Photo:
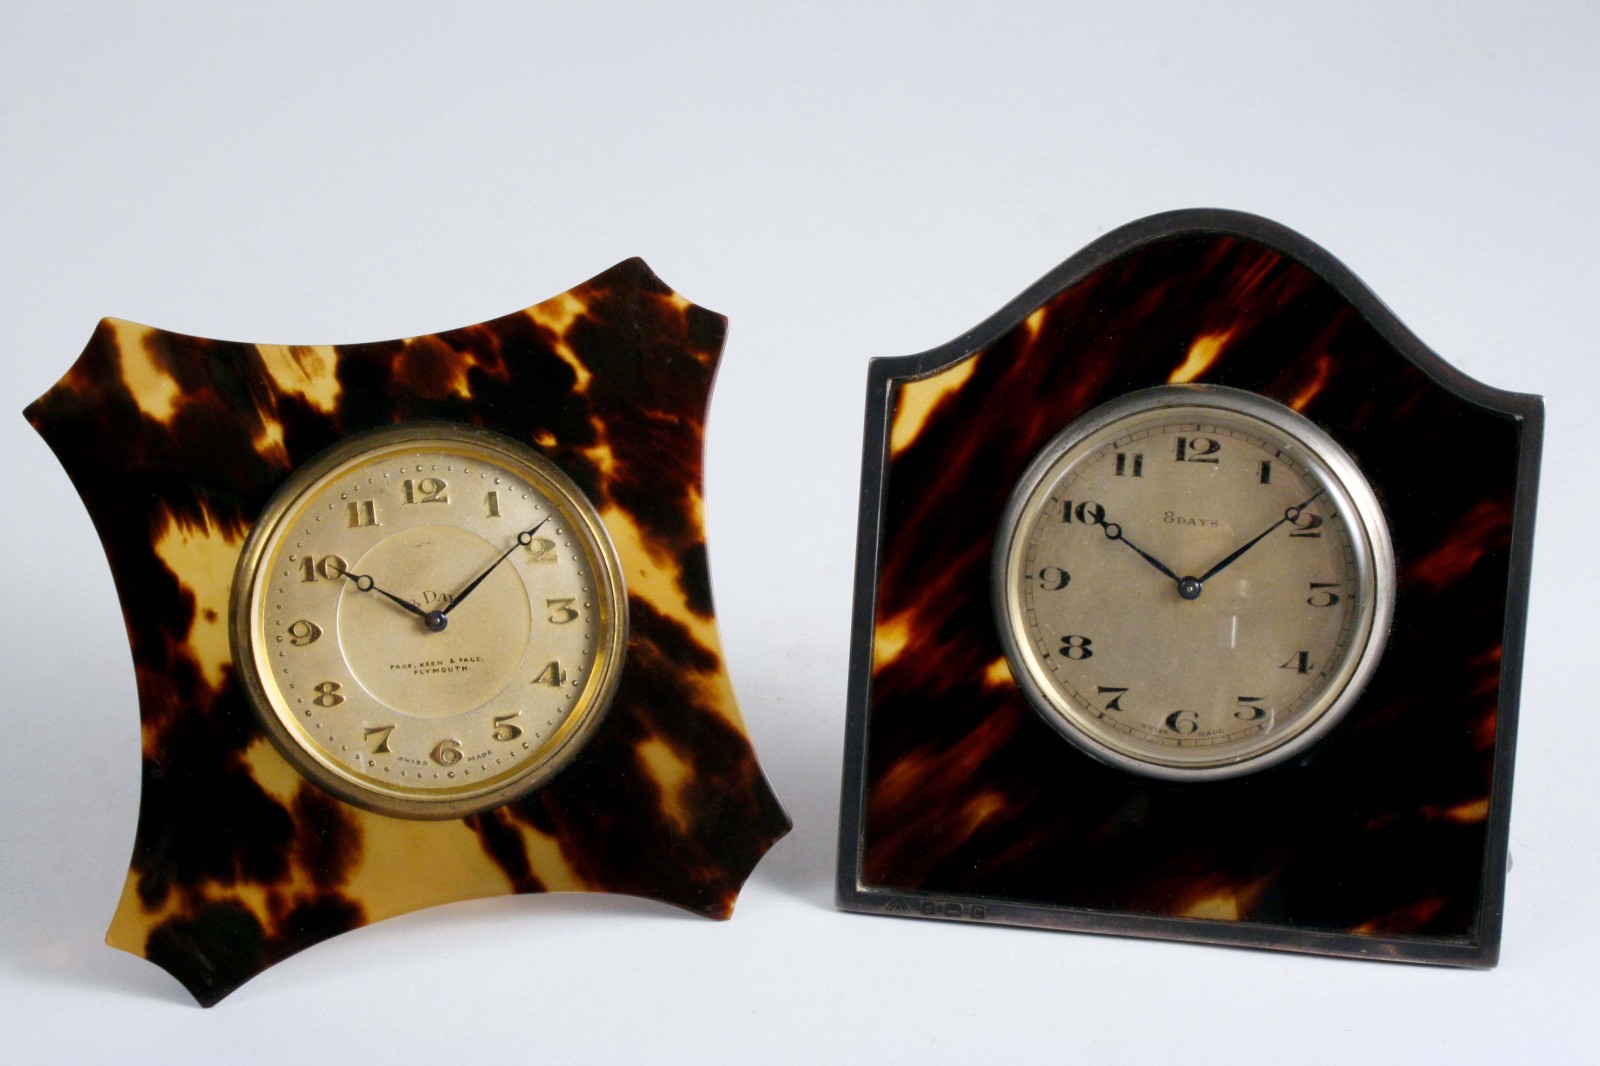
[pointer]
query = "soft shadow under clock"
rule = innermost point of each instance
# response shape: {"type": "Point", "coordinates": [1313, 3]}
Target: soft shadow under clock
{"type": "Point", "coordinates": [800, 741]}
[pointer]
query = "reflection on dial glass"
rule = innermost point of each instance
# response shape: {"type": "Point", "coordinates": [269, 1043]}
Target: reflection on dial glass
{"type": "Point", "coordinates": [433, 620]}
{"type": "Point", "coordinates": [1193, 583]}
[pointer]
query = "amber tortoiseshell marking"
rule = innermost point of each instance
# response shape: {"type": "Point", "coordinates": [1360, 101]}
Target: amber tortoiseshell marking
{"type": "Point", "coordinates": [1382, 829]}
{"type": "Point", "coordinates": [175, 443]}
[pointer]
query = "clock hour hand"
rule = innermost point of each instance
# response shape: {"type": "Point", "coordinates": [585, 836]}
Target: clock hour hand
{"type": "Point", "coordinates": [1290, 514]}
{"type": "Point", "coordinates": [1113, 531]}
{"type": "Point", "coordinates": [366, 584]}
{"type": "Point", "coordinates": [524, 539]}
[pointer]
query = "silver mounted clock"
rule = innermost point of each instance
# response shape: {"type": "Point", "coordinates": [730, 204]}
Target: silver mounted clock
{"type": "Point", "coordinates": [1168, 621]}
{"type": "Point", "coordinates": [1193, 582]}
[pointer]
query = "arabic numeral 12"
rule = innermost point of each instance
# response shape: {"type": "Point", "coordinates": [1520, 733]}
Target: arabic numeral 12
{"type": "Point", "coordinates": [427, 490]}
{"type": "Point", "coordinates": [1198, 449]}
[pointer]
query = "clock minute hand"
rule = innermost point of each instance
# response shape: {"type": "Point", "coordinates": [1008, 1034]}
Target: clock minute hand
{"type": "Point", "coordinates": [366, 584]}
{"type": "Point", "coordinates": [524, 539]}
{"type": "Point", "coordinates": [1289, 515]}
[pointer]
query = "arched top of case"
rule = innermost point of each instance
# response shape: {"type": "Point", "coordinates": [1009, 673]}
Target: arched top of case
{"type": "Point", "coordinates": [1213, 222]}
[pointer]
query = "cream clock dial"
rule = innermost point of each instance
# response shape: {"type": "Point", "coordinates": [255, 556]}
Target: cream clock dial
{"type": "Point", "coordinates": [1193, 582]}
{"type": "Point", "coordinates": [430, 620]}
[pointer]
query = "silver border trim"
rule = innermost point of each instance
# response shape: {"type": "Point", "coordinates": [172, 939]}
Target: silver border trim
{"type": "Point", "coordinates": [1374, 563]}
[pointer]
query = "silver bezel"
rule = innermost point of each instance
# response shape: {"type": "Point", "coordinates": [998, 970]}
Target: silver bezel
{"type": "Point", "coordinates": [1345, 482]}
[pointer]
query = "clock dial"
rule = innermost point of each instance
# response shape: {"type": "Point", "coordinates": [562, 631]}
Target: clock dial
{"type": "Point", "coordinates": [429, 619]}
{"type": "Point", "coordinates": [1193, 582]}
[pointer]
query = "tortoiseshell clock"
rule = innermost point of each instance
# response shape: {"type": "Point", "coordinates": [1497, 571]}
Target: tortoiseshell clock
{"type": "Point", "coordinates": [1190, 598]}
{"type": "Point", "coordinates": [414, 621]}
{"type": "Point", "coordinates": [1270, 546]}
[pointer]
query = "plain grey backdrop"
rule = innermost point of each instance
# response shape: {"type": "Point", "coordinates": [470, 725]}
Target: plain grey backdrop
{"type": "Point", "coordinates": [844, 181]}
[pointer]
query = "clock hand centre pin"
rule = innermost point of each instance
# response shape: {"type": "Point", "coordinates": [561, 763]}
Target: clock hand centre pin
{"type": "Point", "coordinates": [436, 619]}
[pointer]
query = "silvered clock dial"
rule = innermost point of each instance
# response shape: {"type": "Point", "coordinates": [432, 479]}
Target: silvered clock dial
{"type": "Point", "coordinates": [1193, 582]}
{"type": "Point", "coordinates": [429, 620]}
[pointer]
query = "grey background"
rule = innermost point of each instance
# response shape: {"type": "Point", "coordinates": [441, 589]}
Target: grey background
{"type": "Point", "coordinates": [844, 182]}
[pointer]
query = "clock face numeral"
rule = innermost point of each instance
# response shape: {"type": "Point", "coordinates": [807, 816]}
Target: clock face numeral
{"type": "Point", "coordinates": [1299, 662]}
{"type": "Point", "coordinates": [1088, 512]}
{"type": "Point", "coordinates": [1198, 449]}
{"type": "Point", "coordinates": [1248, 711]}
{"type": "Point", "coordinates": [362, 513]}
{"type": "Point", "coordinates": [1076, 647]}
{"type": "Point", "coordinates": [327, 694]}
{"type": "Point", "coordinates": [1321, 596]}
{"type": "Point", "coordinates": [447, 752]}
{"type": "Point", "coordinates": [542, 550]}
{"type": "Point", "coordinates": [1115, 702]}
{"type": "Point", "coordinates": [491, 502]}
{"type": "Point", "coordinates": [551, 675]}
{"type": "Point", "coordinates": [329, 568]}
{"type": "Point", "coordinates": [1183, 722]}
{"type": "Point", "coordinates": [1130, 465]}
{"type": "Point", "coordinates": [561, 610]}
{"type": "Point", "coordinates": [1054, 579]}
{"type": "Point", "coordinates": [505, 729]}
{"type": "Point", "coordinates": [426, 490]}
{"type": "Point", "coordinates": [1266, 471]}
{"type": "Point", "coordinates": [1306, 524]}
{"type": "Point", "coordinates": [303, 632]}
{"type": "Point", "coordinates": [381, 733]}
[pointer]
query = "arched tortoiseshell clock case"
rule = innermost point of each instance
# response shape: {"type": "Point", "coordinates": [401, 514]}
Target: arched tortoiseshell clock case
{"type": "Point", "coordinates": [414, 621]}
{"type": "Point", "coordinates": [1190, 600]}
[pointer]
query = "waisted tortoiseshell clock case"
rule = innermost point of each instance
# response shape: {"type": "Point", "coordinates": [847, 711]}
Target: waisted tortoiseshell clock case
{"type": "Point", "coordinates": [243, 857]}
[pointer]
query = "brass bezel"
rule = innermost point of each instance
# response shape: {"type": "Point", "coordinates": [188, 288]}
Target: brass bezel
{"type": "Point", "coordinates": [563, 745]}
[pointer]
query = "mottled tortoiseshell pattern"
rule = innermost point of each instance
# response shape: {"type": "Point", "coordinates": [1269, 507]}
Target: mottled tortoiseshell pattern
{"type": "Point", "coordinates": [1381, 829]}
{"type": "Point", "coordinates": [175, 443]}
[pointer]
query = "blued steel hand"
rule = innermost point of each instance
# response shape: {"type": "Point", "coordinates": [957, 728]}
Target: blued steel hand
{"type": "Point", "coordinates": [1290, 514]}
{"type": "Point", "coordinates": [366, 584]}
{"type": "Point", "coordinates": [1114, 532]}
{"type": "Point", "coordinates": [524, 539]}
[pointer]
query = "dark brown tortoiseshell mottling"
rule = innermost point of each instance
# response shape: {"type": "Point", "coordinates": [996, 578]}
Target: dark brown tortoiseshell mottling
{"type": "Point", "coordinates": [1380, 830]}
{"type": "Point", "coordinates": [175, 443]}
